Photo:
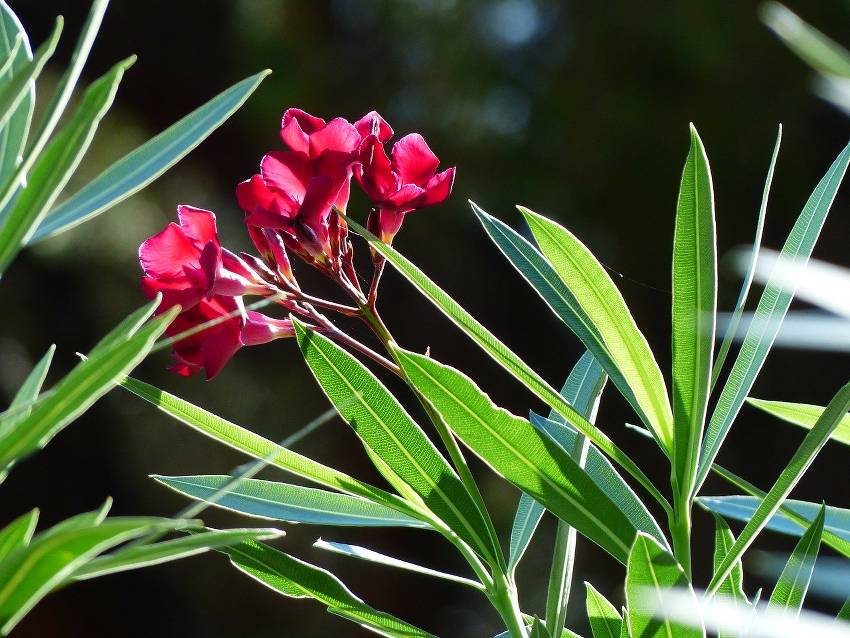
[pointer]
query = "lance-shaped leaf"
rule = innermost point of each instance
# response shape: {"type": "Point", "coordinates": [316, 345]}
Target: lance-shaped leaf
{"type": "Point", "coordinates": [793, 583]}
{"type": "Point", "coordinates": [803, 414]}
{"type": "Point", "coordinates": [605, 620]}
{"type": "Point", "coordinates": [297, 579]}
{"type": "Point", "coordinates": [290, 503]}
{"type": "Point", "coordinates": [694, 312]}
{"type": "Point", "coordinates": [145, 555]}
{"type": "Point", "coordinates": [30, 573]}
{"type": "Point", "coordinates": [506, 358]}
{"type": "Point", "coordinates": [600, 470]}
{"type": "Point", "coordinates": [363, 553]}
{"type": "Point", "coordinates": [603, 304]}
{"type": "Point", "coordinates": [244, 440]}
{"type": "Point", "coordinates": [73, 395]}
{"type": "Point", "coordinates": [770, 312]}
{"type": "Point", "coordinates": [27, 394]}
{"type": "Point", "coordinates": [145, 164]}
{"type": "Point", "coordinates": [788, 478]}
{"type": "Point", "coordinates": [13, 136]}
{"type": "Point", "coordinates": [393, 436]}
{"type": "Point", "coordinates": [540, 274]}
{"type": "Point", "coordinates": [735, 317]}
{"type": "Point", "coordinates": [582, 390]}
{"type": "Point", "coordinates": [517, 451]}
{"type": "Point", "coordinates": [733, 585]}
{"type": "Point", "coordinates": [741, 508]}
{"type": "Point", "coordinates": [56, 165]}
{"type": "Point", "coordinates": [652, 573]}
{"type": "Point", "coordinates": [18, 533]}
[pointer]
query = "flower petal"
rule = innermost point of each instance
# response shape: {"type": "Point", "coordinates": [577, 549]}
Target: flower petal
{"type": "Point", "coordinates": [373, 124]}
{"type": "Point", "coordinates": [438, 188]}
{"type": "Point", "coordinates": [287, 173]}
{"type": "Point", "coordinates": [338, 135]}
{"type": "Point", "coordinates": [296, 127]}
{"type": "Point", "coordinates": [198, 224]}
{"type": "Point", "coordinates": [164, 255]}
{"type": "Point", "coordinates": [260, 328]}
{"type": "Point", "coordinates": [374, 172]}
{"type": "Point", "coordinates": [414, 162]}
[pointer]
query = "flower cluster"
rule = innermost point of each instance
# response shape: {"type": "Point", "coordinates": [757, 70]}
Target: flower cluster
{"type": "Point", "coordinates": [296, 204]}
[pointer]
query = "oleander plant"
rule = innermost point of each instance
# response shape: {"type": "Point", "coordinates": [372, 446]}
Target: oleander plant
{"type": "Point", "coordinates": [206, 302]}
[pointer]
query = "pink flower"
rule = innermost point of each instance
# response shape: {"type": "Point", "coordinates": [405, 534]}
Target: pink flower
{"type": "Point", "coordinates": [402, 184]}
{"type": "Point", "coordinates": [186, 263]}
{"type": "Point", "coordinates": [212, 347]}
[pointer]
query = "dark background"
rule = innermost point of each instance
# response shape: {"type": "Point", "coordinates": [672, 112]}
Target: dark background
{"type": "Point", "coordinates": [577, 109]}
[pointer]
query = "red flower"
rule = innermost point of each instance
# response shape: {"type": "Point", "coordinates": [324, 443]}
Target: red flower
{"type": "Point", "coordinates": [212, 347]}
{"type": "Point", "coordinates": [402, 184]}
{"type": "Point", "coordinates": [296, 191]}
{"type": "Point", "coordinates": [186, 263]}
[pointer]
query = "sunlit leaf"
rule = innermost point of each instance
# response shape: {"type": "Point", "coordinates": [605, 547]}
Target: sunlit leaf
{"type": "Point", "coordinates": [18, 533]}
{"type": "Point", "coordinates": [605, 620]}
{"type": "Point", "coordinates": [802, 414]}
{"type": "Point", "coordinates": [13, 136]}
{"type": "Point", "coordinates": [793, 583]}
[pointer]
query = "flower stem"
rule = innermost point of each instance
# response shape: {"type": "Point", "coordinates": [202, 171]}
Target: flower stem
{"type": "Point", "coordinates": [505, 601]}
{"type": "Point", "coordinates": [680, 529]}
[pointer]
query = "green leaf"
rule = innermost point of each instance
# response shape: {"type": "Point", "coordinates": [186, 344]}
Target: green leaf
{"type": "Point", "coordinates": [74, 394]}
{"type": "Point", "coordinates": [30, 573]}
{"type": "Point", "coordinates": [813, 47]}
{"type": "Point", "coordinates": [363, 553]}
{"type": "Point", "coordinates": [800, 462]}
{"type": "Point", "coordinates": [56, 165]}
{"type": "Point", "coordinates": [521, 454]}
{"type": "Point", "coordinates": [17, 88]}
{"type": "Point", "coordinates": [290, 503]}
{"type": "Point", "coordinates": [769, 314]}
{"type": "Point", "coordinates": [652, 573]}
{"type": "Point", "coordinates": [735, 319]}
{"type": "Point", "coordinates": [602, 302]}
{"type": "Point", "coordinates": [55, 108]}
{"type": "Point", "coordinates": [606, 477]}
{"type": "Point", "coordinates": [145, 164]}
{"type": "Point", "coordinates": [259, 447]}
{"type": "Point", "coordinates": [741, 508]}
{"type": "Point", "coordinates": [13, 136]}
{"type": "Point", "coordinates": [582, 390]}
{"type": "Point", "coordinates": [506, 358]}
{"type": "Point", "coordinates": [540, 274]}
{"type": "Point", "coordinates": [733, 585]}
{"type": "Point", "coordinates": [605, 620]}
{"type": "Point", "coordinates": [803, 414]}
{"type": "Point", "coordinates": [297, 579]}
{"type": "Point", "coordinates": [793, 583]}
{"type": "Point", "coordinates": [538, 629]}
{"type": "Point", "coordinates": [18, 533]}
{"type": "Point", "coordinates": [137, 556]}
{"type": "Point", "coordinates": [694, 312]}
{"type": "Point", "coordinates": [844, 612]}
{"type": "Point", "coordinates": [31, 387]}
{"type": "Point", "coordinates": [387, 430]}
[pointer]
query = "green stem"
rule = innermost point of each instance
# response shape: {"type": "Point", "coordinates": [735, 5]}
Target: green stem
{"type": "Point", "coordinates": [680, 528]}
{"type": "Point", "coordinates": [505, 601]}
{"type": "Point", "coordinates": [560, 578]}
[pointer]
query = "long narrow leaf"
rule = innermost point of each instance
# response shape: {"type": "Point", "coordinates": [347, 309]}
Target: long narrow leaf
{"type": "Point", "coordinates": [298, 579]}
{"type": "Point", "coordinates": [605, 620]}
{"type": "Point", "coordinates": [733, 585]}
{"type": "Point", "coordinates": [290, 503]}
{"type": "Point", "coordinates": [803, 414]}
{"type": "Point", "coordinates": [13, 136]}
{"type": "Point", "coordinates": [517, 451]}
{"type": "Point", "coordinates": [393, 436]}
{"type": "Point", "coordinates": [800, 462]}
{"type": "Point", "coordinates": [793, 583]}
{"type": "Point", "coordinates": [652, 573]}
{"type": "Point", "coordinates": [138, 556]}
{"type": "Point", "coordinates": [602, 302]}
{"type": "Point", "coordinates": [145, 164]}
{"type": "Point", "coordinates": [771, 309]}
{"type": "Point", "coordinates": [363, 553]}
{"type": "Point", "coordinates": [506, 358]}
{"type": "Point", "coordinates": [735, 318]}
{"type": "Point", "coordinates": [582, 390]}
{"type": "Point", "coordinates": [694, 312]}
{"type": "Point", "coordinates": [59, 161]}
{"type": "Point", "coordinates": [18, 533]}
{"type": "Point", "coordinates": [255, 445]}
{"type": "Point", "coordinates": [31, 387]}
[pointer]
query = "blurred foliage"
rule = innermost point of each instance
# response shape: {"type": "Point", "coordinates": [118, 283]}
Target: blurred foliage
{"type": "Point", "coordinates": [563, 106]}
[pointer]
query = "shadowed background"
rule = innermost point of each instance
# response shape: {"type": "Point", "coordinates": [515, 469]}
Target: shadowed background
{"type": "Point", "coordinates": [578, 110]}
